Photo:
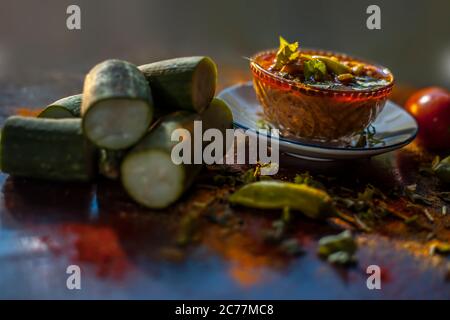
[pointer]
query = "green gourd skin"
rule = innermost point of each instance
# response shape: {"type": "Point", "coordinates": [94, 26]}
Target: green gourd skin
{"type": "Point", "coordinates": [157, 143]}
{"type": "Point", "coordinates": [186, 83]}
{"type": "Point", "coordinates": [117, 82]}
{"type": "Point", "coordinates": [68, 107]}
{"type": "Point", "coordinates": [47, 149]}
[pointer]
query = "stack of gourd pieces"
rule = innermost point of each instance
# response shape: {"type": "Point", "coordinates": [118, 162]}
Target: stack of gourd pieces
{"type": "Point", "coordinates": [120, 127]}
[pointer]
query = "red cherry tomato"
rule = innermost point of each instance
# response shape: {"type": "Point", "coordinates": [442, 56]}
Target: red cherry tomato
{"type": "Point", "coordinates": [431, 108]}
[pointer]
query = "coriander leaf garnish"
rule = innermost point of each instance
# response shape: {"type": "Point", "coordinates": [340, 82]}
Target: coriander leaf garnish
{"type": "Point", "coordinates": [315, 69]}
{"type": "Point", "coordinates": [287, 53]}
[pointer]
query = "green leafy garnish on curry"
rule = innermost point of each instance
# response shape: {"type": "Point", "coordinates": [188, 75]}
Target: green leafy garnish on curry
{"type": "Point", "coordinates": [324, 72]}
{"type": "Point", "coordinates": [287, 53]}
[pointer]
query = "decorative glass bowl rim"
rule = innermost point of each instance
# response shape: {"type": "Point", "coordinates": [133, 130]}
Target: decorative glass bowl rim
{"type": "Point", "coordinates": [272, 79]}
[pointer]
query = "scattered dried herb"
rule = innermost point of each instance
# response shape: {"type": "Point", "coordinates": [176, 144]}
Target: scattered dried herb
{"type": "Point", "coordinates": [291, 247]}
{"type": "Point", "coordinates": [435, 161]}
{"type": "Point", "coordinates": [258, 171]}
{"type": "Point", "coordinates": [366, 206]}
{"type": "Point", "coordinates": [341, 258]}
{"type": "Point", "coordinates": [279, 227]}
{"type": "Point", "coordinates": [200, 205]}
{"type": "Point", "coordinates": [426, 169]}
{"type": "Point", "coordinates": [306, 178]}
{"type": "Point", "coordinates": [370, 193]}
{"type": "Point", "coordinates": [345, 202]}
{"type": "Point", "coordinates": [412, 219]}
{"type": "Point", "coordinates": [251, 175]}
{"type": "Point", "coordinates": [276, 233]}
{"type": "Point", "coordinates": [367, 138]}
{"type": "Point", "coordinates": [442, 169]}
{"type": "Point", "coordinates": [248, 176]}
{"type": "Point", "coordinates": [220, 217]}
{"type": "Point", "coordinates": [338, 249]}
{"type": "Point", "coordinates": [428, 215]}
{"type": "Point", "coordinates": [410, 193]}
{"type": "Point", "coordinates": [362, 225]}
{"type": "Point", "coordinates": [444, 196]}
{"type": "Point", "coordinates": [220, 180]}
{"type": "Point", "coordinates": [430, 235]}
{"type": "Point", "coordinates": [187, 228]}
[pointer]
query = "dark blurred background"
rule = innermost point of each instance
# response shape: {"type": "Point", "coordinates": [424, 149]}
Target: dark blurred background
{"type": "Point", "coordinates": [414, 41]}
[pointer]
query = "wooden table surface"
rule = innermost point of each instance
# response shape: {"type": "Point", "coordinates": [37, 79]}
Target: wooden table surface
{"type": "Point", "coordinates": [202, 248]}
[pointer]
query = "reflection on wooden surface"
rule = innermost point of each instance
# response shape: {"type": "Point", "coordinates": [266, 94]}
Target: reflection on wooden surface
{"type": "Point", "coordinates": [203, 248]}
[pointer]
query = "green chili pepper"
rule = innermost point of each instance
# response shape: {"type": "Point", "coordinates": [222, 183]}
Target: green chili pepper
{"type": "Point", "coordinates": [335, 66]}
{"type": "Point", "coordinates": [273, 194]}
{"type": "Point", "coordinates": [442, 170]}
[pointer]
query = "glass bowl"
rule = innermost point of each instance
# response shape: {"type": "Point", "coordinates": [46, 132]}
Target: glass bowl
{"type": "Point", "coordinates": [318, 114]}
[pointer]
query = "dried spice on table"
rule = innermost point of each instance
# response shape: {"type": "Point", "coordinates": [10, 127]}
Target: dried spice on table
{"type": "Point", "coordinates": [441, 169]}
{"type": "Point", "coordinates": [338, 249]}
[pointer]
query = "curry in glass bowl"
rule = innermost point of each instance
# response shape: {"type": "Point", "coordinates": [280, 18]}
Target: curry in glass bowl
{"type": "Point", "coordinates": [319, 95]}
